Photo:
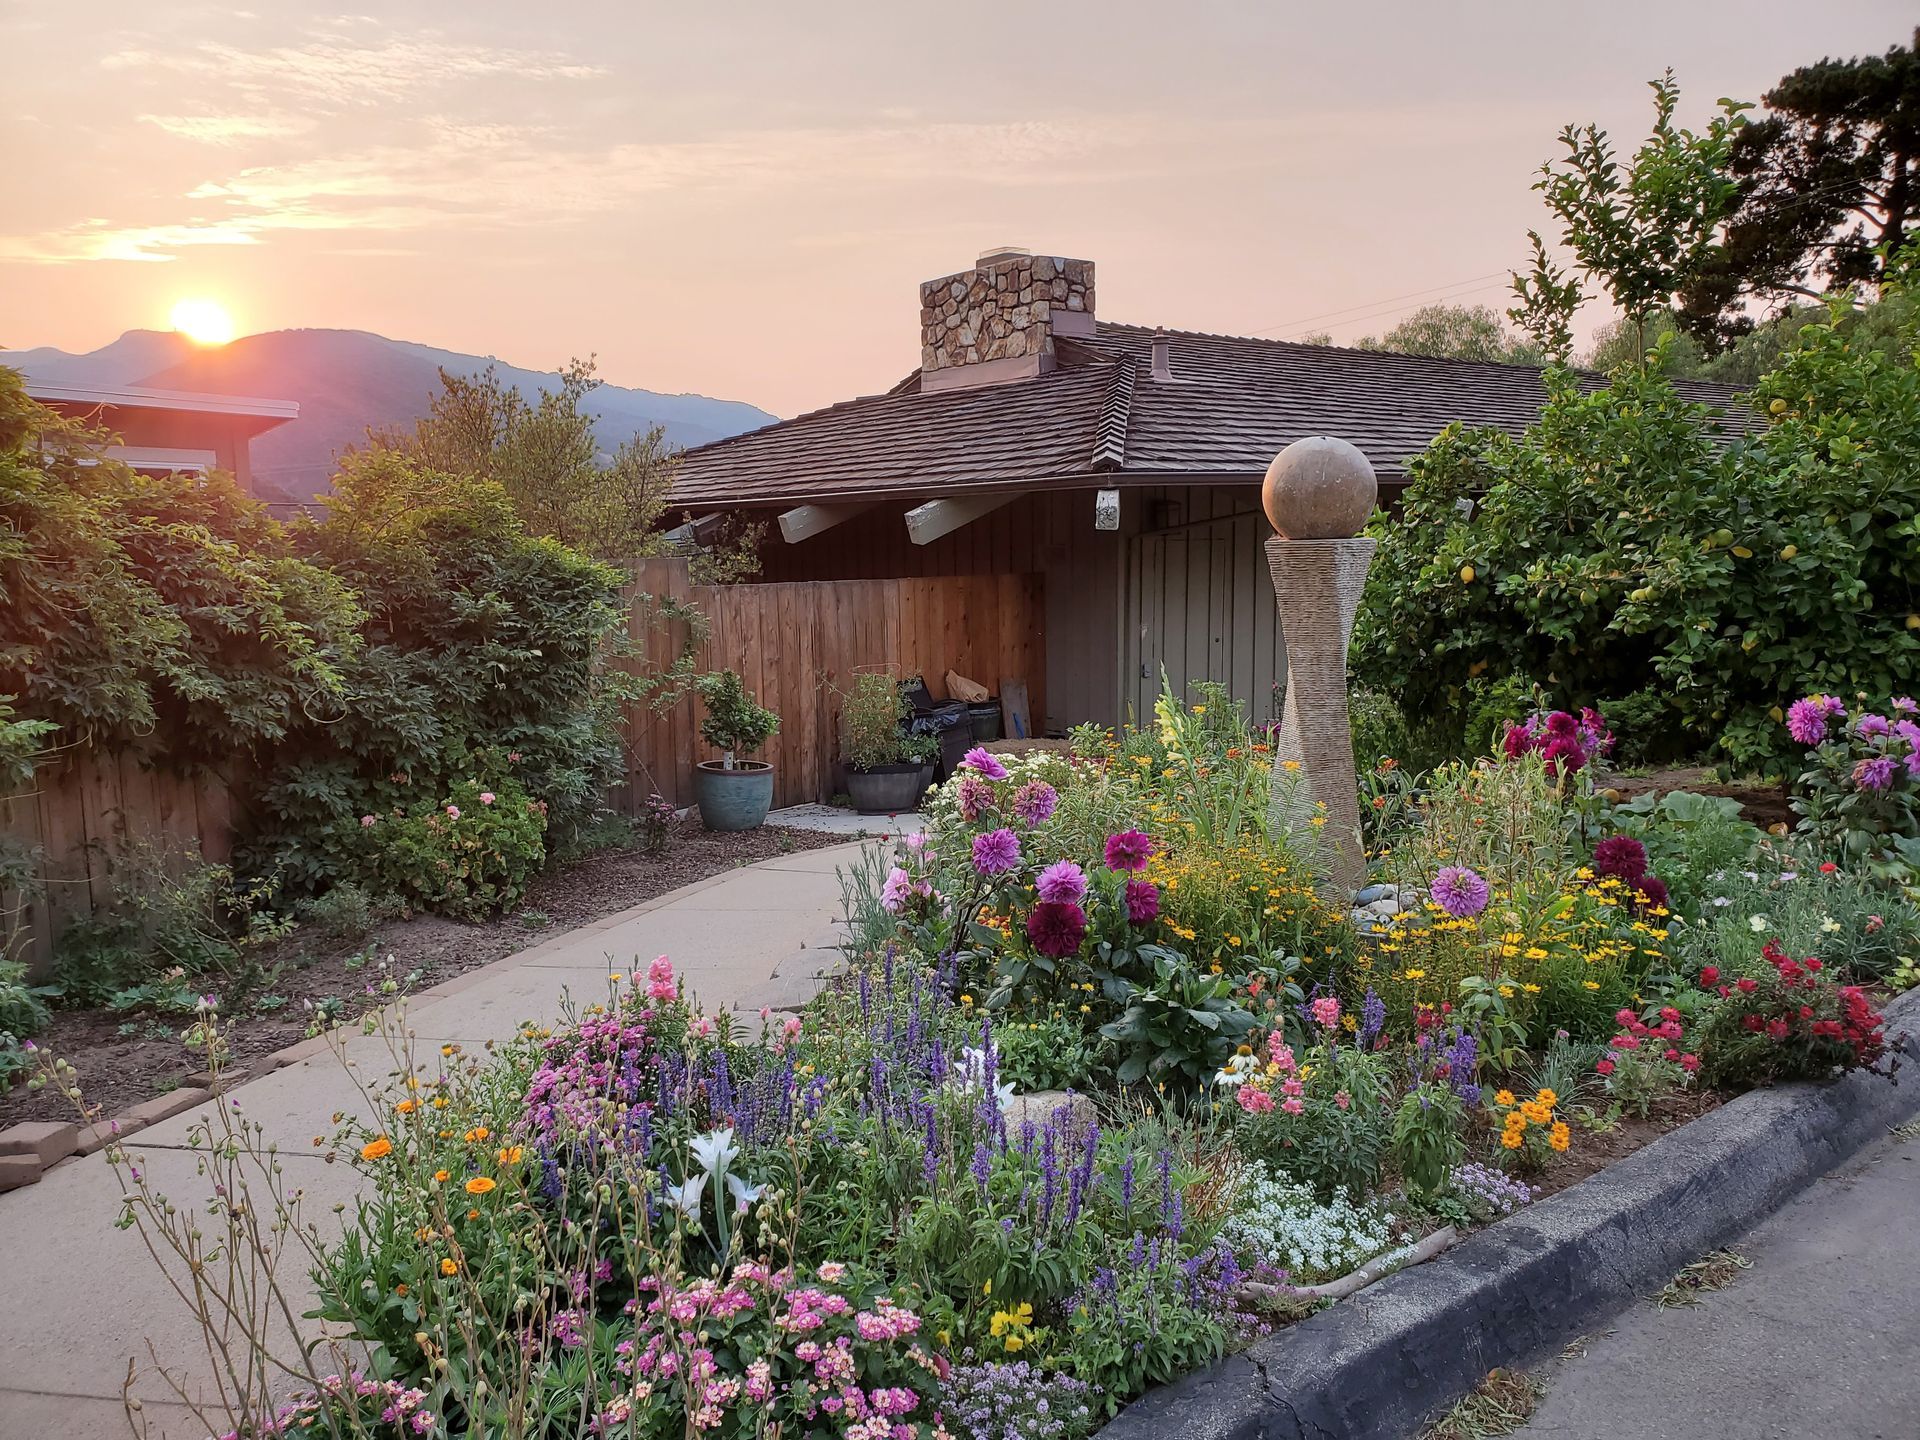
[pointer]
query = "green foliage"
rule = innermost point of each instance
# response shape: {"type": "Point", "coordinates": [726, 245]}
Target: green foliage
{"type": "Point", "coordinates": [169, 609]}
{"type": "Point", "coordinates": [478, 637]}
{"type": "Point", "coordinates": [870, 716]}
{"type": "Point", "coordinates": [1427, 1140]}
{"type": "Point", "coordinates": [1826, 178]}
{"type": "Point", "coordinates": [543, 454]}
{"type": "Point", "coordinates": [1688, 838]}
{"type": "Point", "coordinates": [734, 721]}
{"type": "Point", "coordinates": [1623, 545]}
{"type": "Point", "coordinates": [469, 854]}
{"type": "Point", "coordinates": [1642, 230]}
{"type": "Point", "coordinates": [1456, 332]}
{"type": "Point", "coordinates": [1179, 1026]}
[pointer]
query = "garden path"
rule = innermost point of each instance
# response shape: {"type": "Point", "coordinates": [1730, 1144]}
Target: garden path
{"type": "Point", "coordinates": [83, 1297]}
{"type": "Point", "coordinates": [1821, 1338]}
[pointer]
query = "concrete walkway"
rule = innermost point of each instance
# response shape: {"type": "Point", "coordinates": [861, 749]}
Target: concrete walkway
{"type": "Point", "coordinates": [1819, 1339]}
{"type": "Point", "coordinates": [82, 1298]}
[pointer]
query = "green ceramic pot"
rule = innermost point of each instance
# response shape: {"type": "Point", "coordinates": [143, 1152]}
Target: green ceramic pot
{"type": "Point", "coordinates": [735, 799]}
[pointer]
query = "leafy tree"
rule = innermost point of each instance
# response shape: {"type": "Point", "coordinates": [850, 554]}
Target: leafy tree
{"type": "Point", "coordinates": [1641, 232]}
{"type": "Point", "coordinates": [170, 609]}
{"type": "Point", "coordinates": [1456, 332]}
{"type": "Point", "coordinates": [543, 453]}
{"type": "Point", "coordinates": [1625, 551]}
{"type": "Point", "coordinates": [485, 654]}
{"type": "Point", "coordinates": [1828, 181]}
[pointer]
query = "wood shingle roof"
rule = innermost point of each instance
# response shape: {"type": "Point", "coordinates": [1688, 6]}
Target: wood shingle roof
{"type": "Point", "coordinates": [1099, 418]}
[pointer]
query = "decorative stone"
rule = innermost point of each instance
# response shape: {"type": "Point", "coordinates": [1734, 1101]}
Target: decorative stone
{"type": "Point", "coordinates": [1375, 892]}
{"type": "Point", "coordinates": [104, 1133]}
{"type": "Point", "coordinates": [18, 1170]}
{"type": "Point", "coordinates": [1319, 488]}
{"type": "Point", "coordinates": [1080, 1113]}
{"type": "Point", "coordinates": [161, 1107]}
{"type": "Point", "coordinates": [46, 1141]}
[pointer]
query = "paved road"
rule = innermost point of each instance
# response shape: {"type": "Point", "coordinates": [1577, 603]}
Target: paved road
{"type": "Point", "coordinates": [81, 1297]}
{"type": "Point", "coordinates": [1820, 1340]}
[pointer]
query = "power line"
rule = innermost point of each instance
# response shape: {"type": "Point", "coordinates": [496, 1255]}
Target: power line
{"type": "Point", "coordinates": [1370, 304]}
{"type": "Point", "coordinates": [1412, 305]}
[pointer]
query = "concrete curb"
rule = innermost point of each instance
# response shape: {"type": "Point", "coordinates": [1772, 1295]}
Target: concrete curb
{"type": "Point", "coordinates": [1381, 1363]}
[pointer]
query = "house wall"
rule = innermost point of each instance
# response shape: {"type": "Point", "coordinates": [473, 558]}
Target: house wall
{"type": "Point", "coordinates": [1183, 583]}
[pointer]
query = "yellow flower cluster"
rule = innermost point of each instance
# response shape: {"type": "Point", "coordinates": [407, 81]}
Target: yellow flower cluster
{"type": "Point", "coordinates": [1519, 1116]}
{"type": "Point", "coordinates": [1012, 1327]}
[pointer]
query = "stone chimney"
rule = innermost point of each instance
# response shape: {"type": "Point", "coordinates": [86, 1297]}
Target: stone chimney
{"type": "Point", "coordinates": [998, 321]}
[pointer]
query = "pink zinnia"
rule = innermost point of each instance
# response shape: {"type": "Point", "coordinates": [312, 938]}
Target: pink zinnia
{"type": "Point", "coordinates": [1130, 850]}
{"type": "Point", "coordinates": [987, 764]}
{"type": "Point", "coordinates": [1056, 928]}
{"type": "Point", "coordinates": [996, 852]}
{"type": "Point", "coordinates": [1062, 880]}
{"type": "Point", "coordinates": [1460, 892]}
{"type": "Point", "coordinates": [1143, 902]}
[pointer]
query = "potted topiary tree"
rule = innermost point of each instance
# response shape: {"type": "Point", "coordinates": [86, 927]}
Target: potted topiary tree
{"type": "Point", "coordinates": [733, 794]}
{"type": "Point", "coordinates": [882, 777]}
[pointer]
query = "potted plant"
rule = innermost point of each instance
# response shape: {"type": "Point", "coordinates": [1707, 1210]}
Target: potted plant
{"type": "Point", "coordinates": [733, 794]}
{"type": "Point", "coordinates": [881, 778]}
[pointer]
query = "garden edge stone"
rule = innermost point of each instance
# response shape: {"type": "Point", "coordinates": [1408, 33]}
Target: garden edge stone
{"type": "Point", "coordinates": [1388, 1359]}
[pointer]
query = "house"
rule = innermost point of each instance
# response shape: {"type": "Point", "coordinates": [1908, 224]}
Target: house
{"type": "Point", "coordinates": [170, 430]}
{"type": "Point", "coordinates": [1120, 462]}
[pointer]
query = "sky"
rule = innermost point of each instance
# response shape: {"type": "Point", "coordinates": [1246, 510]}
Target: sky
{"type": "Point", "coordinates": [739, 198]}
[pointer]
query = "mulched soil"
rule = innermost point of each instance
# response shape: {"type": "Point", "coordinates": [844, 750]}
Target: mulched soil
{"type": "Point", "coordinates": [118, 1070]}
{"type": "Point", "coordinates": [1762, 804]}
{"type": "Point", "coordinates": [1592, 1151]}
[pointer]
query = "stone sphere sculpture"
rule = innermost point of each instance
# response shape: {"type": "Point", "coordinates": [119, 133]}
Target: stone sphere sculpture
{"type": "Point", "coordinates": [1319, 488]}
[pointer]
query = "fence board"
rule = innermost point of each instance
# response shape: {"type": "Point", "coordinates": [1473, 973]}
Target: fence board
{"type": "Point", "coordinates": [797, 644]}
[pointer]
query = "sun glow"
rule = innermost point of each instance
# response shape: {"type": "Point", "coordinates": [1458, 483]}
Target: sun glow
{"type": "Point", "coordinates": [205, 322]}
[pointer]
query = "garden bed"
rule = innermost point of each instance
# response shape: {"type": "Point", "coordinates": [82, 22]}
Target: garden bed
{"type": "Point", "coordinates": [124, 1058]}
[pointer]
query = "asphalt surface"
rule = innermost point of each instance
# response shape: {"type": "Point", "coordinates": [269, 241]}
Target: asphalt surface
{"type": "Point", "coordinates": [1819, 1340]}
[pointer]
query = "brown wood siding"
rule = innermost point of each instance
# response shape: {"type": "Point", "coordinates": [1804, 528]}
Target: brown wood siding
{"type": "Point", "coordinates": [797, 643]}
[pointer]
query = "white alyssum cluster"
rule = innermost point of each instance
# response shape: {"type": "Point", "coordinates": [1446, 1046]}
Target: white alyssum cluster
{"type": "Point", "coordinates": [1281, 1223]}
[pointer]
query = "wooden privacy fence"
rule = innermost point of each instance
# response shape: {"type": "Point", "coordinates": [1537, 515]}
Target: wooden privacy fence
{"type": "Point", "coordinates": [83, 810]}
{"type": "Point", "coordinates": [796, 644]}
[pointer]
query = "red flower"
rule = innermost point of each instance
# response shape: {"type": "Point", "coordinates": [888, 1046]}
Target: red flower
{"type": "Point", "coordinates": [1605, 1067]}
{"type": "Point", "coordinates": [1709, 974]}
{"type": "Point", "coordinates": [1828, 867]}
{"type": "Point", "coordinates": [1746, 984]}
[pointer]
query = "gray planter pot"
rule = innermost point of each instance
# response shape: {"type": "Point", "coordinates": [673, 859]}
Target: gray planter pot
{"type": "Point", "coordinates": [885, 789]}
{"type": "Point", "coordinates": [735, 799]}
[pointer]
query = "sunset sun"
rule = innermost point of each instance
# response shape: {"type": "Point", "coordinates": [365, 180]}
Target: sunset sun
{"type": "Point", "coordinates": [205, 322]}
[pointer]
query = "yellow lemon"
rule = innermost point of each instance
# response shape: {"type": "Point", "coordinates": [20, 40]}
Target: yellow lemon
{"type": "Point", "coordinates": [1778, 407]}
{"type": "Point", "coordinates": [1466, 574]}
{"type": "Point", "coordinates": [1913, 622]}
{"type": "Point", "coordinates": [1788, 552]}
{"type": "Point", "coordinates": [1776, 714]}
{"type": "Point", "coordinates": [1741, 552]}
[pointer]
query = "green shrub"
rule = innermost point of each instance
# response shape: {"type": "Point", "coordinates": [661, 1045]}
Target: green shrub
{"type": "Point", "coordinates": [734, 722]}
{"type": "Point", "coordinates": [346, 912]}
{"type": "Point", "coordinates": [870, 716]}
{"type": "Point", "coordinates": [469, 854]}
{"type": "Point", "coordinates": [1626, 544]}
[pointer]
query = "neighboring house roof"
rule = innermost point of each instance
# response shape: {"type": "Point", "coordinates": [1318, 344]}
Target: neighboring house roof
{"type": "Point", "coordinates": [254, 414]}
{"type": "Point", "coordinates": [1099, 418]}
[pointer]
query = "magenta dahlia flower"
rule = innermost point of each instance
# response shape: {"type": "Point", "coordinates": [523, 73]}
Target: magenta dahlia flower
{"type": "Point", "coordinates": [1652, 891]}
{"type": "Point", "coordinates": [1620, 856]}
{"type": "Point", "coordinates": [1062, 880]}
{"type": "Point", "coordinates": [996, 852]}
{"type": "Point", "coordinates": [1460, 892]}
{"type": "Point", "coordinates": [1130, 850]}
{"type": "Point", "coordinates": [1143, 902]}
{"type": "Point", "coordinates": [1517, 741]}
{"type": "Point", "coordinates": [1563, 753]}
{"type": "Point", "coordinates": [976, 798]}
{"type": "Point", "coordinates": [1056, 928]}
{"type": "Point", "coordinates": [1807, 721]}
{"type": "Point", "coordinates": [1034, 803]}
{"type": "Point", "coordinates": [1871, 725]}
{"type": "Point", "coordinates": [987, 764]}
{"type": "Point", "coordinates": [1874, 773]}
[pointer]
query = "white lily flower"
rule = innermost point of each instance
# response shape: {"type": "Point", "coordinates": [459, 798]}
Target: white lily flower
{"type": "Point", "coordinates": [715, 1150]}
{"type": "Point", "coordinates": [744, 1195]}
{"type": "Point", "coordinates": [686, 1197]}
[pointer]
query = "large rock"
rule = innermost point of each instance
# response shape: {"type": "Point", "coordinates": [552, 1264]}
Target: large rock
{"type": "Point", "coordinates": [1077, 1113]}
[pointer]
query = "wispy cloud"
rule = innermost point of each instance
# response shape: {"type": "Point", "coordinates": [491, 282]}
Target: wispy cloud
{"type": "Point", "coordinates": [509, 175]}
{"type": "Point", "coordinates": [229, 129]}
{"type": "Point", "coordinates": [338, 72]}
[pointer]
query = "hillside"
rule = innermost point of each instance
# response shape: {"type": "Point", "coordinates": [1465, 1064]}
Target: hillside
{"type": "Point", "coordinates": [347, 381]}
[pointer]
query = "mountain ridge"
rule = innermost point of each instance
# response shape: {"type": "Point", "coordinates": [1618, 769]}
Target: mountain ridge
{"type": "Point", "coordinates": [349, 381]}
